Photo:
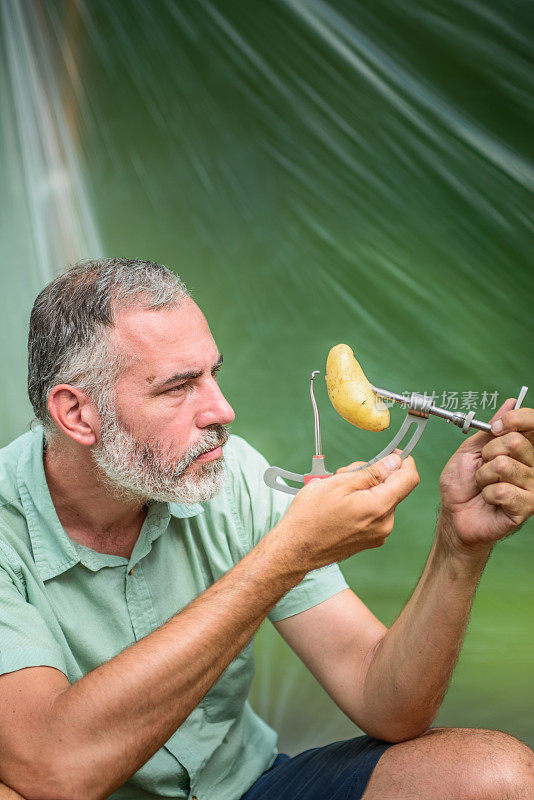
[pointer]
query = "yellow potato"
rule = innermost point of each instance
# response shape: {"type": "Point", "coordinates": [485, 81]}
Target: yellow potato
{"type": "Point", "coordinates": [351, 393]}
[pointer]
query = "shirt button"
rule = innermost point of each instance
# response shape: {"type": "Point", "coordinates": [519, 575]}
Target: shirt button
{"type": "Point", "coordinates": [131, 572]}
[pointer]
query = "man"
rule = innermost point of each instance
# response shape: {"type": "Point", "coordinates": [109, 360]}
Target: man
{"type": "Point", "coordinates": [137, 562]}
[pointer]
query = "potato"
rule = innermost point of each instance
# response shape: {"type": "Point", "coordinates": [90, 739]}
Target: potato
{"type": "Point", "coordinates": [351, 393]}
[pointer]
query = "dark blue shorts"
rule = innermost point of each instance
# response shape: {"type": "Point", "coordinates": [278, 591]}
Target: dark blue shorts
{"type": "Point", "coordinates": [338, 771]}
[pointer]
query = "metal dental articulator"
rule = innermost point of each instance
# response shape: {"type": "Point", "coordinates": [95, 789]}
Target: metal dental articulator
{"type": "Point", "coordinates": [419, 409]}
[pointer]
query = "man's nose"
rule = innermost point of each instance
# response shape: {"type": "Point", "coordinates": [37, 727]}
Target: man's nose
{"type": "Point", "coordinates": [216, 409]}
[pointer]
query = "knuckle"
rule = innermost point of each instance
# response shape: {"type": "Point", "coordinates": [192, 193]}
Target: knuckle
{"type": "Point", "coordinates": [516, 441]}
{"type": "Point", "coordinates": [375, 475]}
{"type": "Point", "coordinates": [479, 477]}
{"type": "Point", "coordinates": [494, 493]}
{"type": "Point", "coordinates": [412, 464]}
{"type": "Point", "coordinates": [388, 527]}
{"type": "Point", "coordinates": [501, 464]}
{"type": "Point", "coordinates": [381, 529]}
{"type": "Point", "coordinates": [502, 492]}
{"type": "Point", "coordinates": [385, 526]}
{"type": "Point", "coordinates": [412, 470]}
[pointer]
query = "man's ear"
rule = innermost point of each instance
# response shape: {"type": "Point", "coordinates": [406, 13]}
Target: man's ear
{"type": "Point", "coordinates": [75, 413]}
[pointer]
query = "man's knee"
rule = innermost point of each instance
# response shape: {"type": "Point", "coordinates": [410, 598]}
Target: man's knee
{"type": "Point", "coordinates": [495, 764]}
{"type": "Point", "coordinates": [510, 762]}
{"type": "Point", "coordinates": [449, 763]}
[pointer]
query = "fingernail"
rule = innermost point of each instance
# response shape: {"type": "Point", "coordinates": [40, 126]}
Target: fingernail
{"type": "Point", "coordinates": [496, 426]}
{"type": "Point", "coordinates": [392, 462]}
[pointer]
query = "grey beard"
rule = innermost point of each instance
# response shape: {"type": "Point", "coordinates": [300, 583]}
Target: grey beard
{"type": "Point", "coordinates": [143, 471]}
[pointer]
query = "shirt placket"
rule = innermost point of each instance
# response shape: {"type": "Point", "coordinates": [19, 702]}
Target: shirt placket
{"type": "Point", "coordinates": [139, 602]}
{"type": "Point", "coordinates": [144, 622]}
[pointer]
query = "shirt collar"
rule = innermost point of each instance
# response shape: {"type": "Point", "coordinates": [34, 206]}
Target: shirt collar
{"type": "Point", "coordinates": [54, 551]}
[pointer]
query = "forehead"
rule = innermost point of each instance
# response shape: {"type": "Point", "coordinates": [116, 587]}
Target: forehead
{"type": "Point", "coordinates": [156, 339]}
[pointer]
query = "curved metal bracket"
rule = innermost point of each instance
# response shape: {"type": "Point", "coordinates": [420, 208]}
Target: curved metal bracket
{"type": "Point", "coordinates": [411, 419]}
{"type": "Point", "coordinates": [271, 475]}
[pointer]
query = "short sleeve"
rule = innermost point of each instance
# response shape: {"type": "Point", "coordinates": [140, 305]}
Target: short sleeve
{"type": "Point", "coordinates": [25, 640]}
{"type": "Point", "coordinates": [261, 509]}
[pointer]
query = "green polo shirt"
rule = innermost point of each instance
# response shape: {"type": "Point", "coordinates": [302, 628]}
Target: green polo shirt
{"type": "Point", "coordinates": [66, 606]}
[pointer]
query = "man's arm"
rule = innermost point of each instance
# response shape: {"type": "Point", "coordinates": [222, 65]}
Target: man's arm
{"type": "Point", "coordinates": [62, 742]}
{"type": "Point", "coordinates": [395, 691]}
{"type": "Point", "coordinates": [391, 682]}
{"type": "Point", "coordinates": [409, 670]}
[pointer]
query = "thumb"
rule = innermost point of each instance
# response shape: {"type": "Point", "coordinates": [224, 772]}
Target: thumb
{"type": "Point", "coordinates": [374, 474]}
{"type": "Point", "coordinates": [476, 442]}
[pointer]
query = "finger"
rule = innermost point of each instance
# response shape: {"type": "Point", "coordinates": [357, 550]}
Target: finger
{"type": "Point", "coordinates": [350, 467]}
{"type": "Point", "coordinates": [384, 525]}
{"type": "Point", "coordinates": [387, 495]}
{"type": "Point", "coordinates": [506, 406]}
{"type": "Point", "coordinates": [373, 475]}
{"type": "Point", "coordinates": [517, 419]}
{"type": "Point", "coordinates": [506, 470]}
{"type": "Point", "coordinates": [475, 443]}
{"type": "Point", "coordinates": [514, 444]}
{"type": "Point", "coordinates": [516, 503]}
{"type": "Point", "coordinates": [357, 464]}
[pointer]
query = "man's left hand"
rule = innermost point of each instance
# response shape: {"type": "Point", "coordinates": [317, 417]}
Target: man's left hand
{"type": "Point", "coordinates": [487, 487]}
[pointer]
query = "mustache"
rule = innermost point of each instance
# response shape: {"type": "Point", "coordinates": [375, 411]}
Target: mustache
{"type": "Point", "coordinates": [219, 439]}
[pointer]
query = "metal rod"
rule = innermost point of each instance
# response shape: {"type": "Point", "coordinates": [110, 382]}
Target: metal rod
{"type": "Point", "coordinates": [464, 421]}
{"type": "Point", "coordinates": [316, 420]}
{"type": "Point", "coordinates": [521, 397]}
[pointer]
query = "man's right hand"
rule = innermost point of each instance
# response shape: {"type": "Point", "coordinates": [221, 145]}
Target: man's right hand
{"type": "Point", "coordinates": [334, 518]}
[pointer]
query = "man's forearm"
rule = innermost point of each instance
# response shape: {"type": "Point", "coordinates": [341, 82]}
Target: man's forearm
{"type": "Point", "coordinates": [411, 667]}
{"type": "Point", "coordinates": [116, 717]}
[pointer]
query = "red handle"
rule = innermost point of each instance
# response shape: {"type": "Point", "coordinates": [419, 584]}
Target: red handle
{"type": "Point", "coordinates": [310, 478]}
{"type": "Point", "coordinates": [313, 476]}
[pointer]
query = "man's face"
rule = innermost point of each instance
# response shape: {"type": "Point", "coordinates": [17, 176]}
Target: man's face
{"type": "Point", "coordinates": [160, 429]}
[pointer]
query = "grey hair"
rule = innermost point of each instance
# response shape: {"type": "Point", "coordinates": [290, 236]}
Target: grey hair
{"type": "Point", "coordinates": [71, 321]}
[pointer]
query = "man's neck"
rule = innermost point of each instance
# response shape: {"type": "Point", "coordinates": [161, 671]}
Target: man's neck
{"type": "Point", "coordinates": [87, 511]}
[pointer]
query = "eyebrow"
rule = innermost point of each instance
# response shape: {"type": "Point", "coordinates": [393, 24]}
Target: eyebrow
{"type": "Point", "coordinates": [185, 376]}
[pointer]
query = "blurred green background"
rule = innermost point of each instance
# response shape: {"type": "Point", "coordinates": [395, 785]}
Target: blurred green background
{"type": "Point", "coordinates": [316, 172]}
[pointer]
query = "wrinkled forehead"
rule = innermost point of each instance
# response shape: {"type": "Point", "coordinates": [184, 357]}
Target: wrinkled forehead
{"type": "Point", "coordinates": [154, 338]}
